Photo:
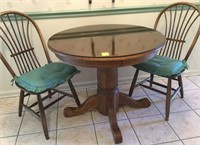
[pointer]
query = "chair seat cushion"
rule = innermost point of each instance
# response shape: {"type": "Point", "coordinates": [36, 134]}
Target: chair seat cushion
{"type": "Point", "coordinates": [46, 77]}
{"type": "Point", "coordinates": [162, 66]}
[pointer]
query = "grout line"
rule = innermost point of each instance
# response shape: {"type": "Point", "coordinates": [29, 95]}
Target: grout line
{"type": "Point", "coordinates": [94, 129]}
{"type": "Point", "coordinates": [132, 127]}
{"type": "Point", "coordinates": [93, 120]}
{"type": "Point", "coordinates": [188, 77]}
{"type": "Point", "coordinates": [56, 138]}
{"type": "Point", "coordinates": [153, 103]}
{"type": "Point", "coordinates": [191, 137]}
{"type": "Point", "coordinates": [74, 127]}
{"type": "Point", "coordinates": [22, 119]}
{"type": "Point", "coordinates": [168, 142]}
{"type": "Point", "coordinates": [196, 112]}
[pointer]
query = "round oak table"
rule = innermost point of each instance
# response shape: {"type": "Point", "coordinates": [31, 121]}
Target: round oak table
{"type": "Point", "coordinates": [106, 47]}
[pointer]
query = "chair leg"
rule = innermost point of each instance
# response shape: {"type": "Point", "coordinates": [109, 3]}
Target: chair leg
{"type": "Point", "coordinates": [49, 92]}
{"type": "Point", "coordinates": [180, 82]}
{"type": "Point", "coordinates": [151, 80]}
{"type": "Point", "coordinates": [133, 82]}
{"type": "Point", "coordinates": [21, 102]}
{"type": "Point", "coordinates": [43, 117]}
{"type": "Point", "coordinates": [74, 92]}
{"type": "Point", "coordinates": [168, 99]}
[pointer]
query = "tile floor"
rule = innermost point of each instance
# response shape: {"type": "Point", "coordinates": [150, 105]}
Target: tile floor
{"type": "Point", "coordinates": [138, 126]}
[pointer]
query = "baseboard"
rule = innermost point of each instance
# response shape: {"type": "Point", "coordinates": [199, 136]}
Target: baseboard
{"type": "Point", "coordinates": [89, 84]}
{"type": "Point", "coordinates": [12, 93]}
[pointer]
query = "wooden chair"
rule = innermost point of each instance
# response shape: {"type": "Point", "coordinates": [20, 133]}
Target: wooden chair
{"type": "Point", "coordinates": [17, 35]}
{"type": "Point", "coordinates": [180, 23]}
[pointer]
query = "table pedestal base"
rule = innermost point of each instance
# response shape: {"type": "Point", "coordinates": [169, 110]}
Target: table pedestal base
{"type": "Point", "coordinates": [107, 101]}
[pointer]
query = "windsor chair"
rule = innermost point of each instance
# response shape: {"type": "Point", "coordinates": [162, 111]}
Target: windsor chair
{"type": "Point", "coordinates": [180, 23]}
{"type": "Point", "coordinates": [20, 37]}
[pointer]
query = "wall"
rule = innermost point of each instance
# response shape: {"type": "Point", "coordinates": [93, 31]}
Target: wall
{"type": "Point", "coordinates": [88, 75]}
{"type": "Point", "coordinates": [63, 5]}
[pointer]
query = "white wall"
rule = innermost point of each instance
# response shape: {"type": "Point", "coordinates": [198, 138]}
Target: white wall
{"type": "Point", "coordinates": [88, 75]}
{"type": "Point", "coordinates": [63, 5]}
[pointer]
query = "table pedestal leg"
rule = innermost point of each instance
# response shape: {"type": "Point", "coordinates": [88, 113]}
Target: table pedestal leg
{"type": "Point", "coordinates": [107, 100]}
{"type": "Point", "coordinates": [89, 105]}
{"type": "Point", "coordinates": [125, 100]}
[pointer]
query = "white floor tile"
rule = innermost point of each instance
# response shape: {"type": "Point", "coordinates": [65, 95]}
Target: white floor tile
{"type": "Point", "coordinates": [153, 130]}
{"type": "Point", "coordinates": [8, 141]}
{"type": "Point", "coordinates": [141, 112]}
{"type": "Point", "coordinates": [185, 124]}
{"type": "Point", "coordinates": [177, 104]}
{"type": "Point", "coordinates": [138, 91]}
{"type": "Point", "coordinates": [69, 101]}
{"type": "Point", "coordinates": [9, 124]}
{"type": "Point", "coordinates": [188, 84]}
{"type": "Point", "coordinates": [172, 143]}
{"type": "Point", "coordinates": [37, 139]}
{"type": "Point", "coordinates": [99, 118]}
{"type": "Point", "coordinates": [105, 136]}
{"type": "Point", "coordinates": [80, 120]}
{"type": "Point", "coordinates": [192, 141]}
{"type": "Point", "coordinates": [83, 135]}
{"type": "Point", "coordinates": [31, 124]}
{"type": "Point", "coordinates": [9, 105]}
{"type": "Point", "coordinates": [192, 98]}
{"type": "Point", "coordinates": [195, 80]}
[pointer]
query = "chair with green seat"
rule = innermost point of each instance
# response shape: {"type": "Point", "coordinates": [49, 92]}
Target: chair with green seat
{"type": "Point", "coordinates": [180, 23]}
{"type": "Point", "coordinates": [20, 39]}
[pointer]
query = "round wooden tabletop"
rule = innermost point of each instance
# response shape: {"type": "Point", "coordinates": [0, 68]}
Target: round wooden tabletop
{"type": "Point", "coordinates": [106, 45]}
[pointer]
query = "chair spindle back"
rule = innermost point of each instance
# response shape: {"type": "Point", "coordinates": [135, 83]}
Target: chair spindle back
{"type": "Point", "coordinates": [180, 23]}
{"type": "Point", "coordinates": [16, 33]}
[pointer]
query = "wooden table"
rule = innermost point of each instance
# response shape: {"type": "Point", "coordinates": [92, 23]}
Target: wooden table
{"type": "Point", "coordinates": [107, 47]}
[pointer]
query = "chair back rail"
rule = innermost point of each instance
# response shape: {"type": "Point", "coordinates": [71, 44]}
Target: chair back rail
{"type": "Point", "coordinates": [16, 33]}
{"type": "Point", "coordinates": [177, 20]}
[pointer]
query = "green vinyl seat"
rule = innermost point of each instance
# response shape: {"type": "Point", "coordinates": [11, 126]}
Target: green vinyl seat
{"type": "Point", "coordinates": [46, 77]}
{"type": "Point", "coordinates": [162, 66]}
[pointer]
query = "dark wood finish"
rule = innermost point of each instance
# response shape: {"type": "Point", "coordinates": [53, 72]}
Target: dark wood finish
{"type": "Point", "coordinates": [90, 1]}
{"type": "Point", "coordinates": [107, 101]}
{"type": "Point", "coordinates": [181, 23]}
{"type": "Point", "coordinates": [123, 45]}
{"type": "Point", "coordinates": [83, 46]}
{"type": "Point", "coordinates": [16, 34]}
{"type": "Point", "coordinates": [180, 20]}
